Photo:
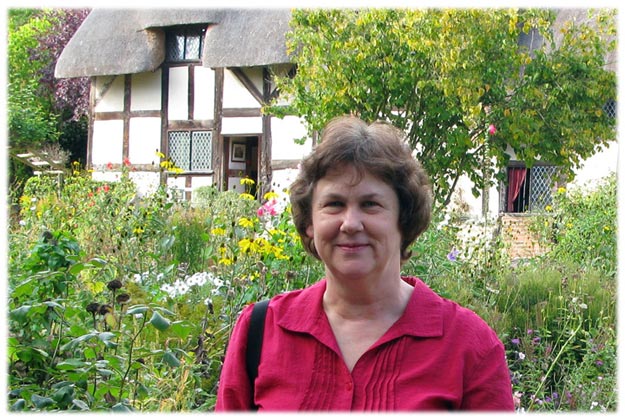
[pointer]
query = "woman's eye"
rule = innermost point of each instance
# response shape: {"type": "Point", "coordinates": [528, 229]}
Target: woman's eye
{"type": "Point", "coordinates": [333, 204]}
{"type": "Point", "coordinates": [369, 204]}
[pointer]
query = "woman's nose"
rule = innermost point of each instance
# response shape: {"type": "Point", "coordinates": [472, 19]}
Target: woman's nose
{"type": "Point", "coordinates": [352, 220]}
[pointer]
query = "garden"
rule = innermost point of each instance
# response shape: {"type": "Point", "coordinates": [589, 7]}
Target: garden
{"type": "Point", "coordinates": [121, 302]}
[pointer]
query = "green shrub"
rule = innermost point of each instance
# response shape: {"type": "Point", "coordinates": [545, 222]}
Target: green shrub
{"type": "Point", "coordinates": [582, 226]}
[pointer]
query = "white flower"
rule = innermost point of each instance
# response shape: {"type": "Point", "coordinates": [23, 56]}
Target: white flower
{"type": "Point", "coordinates": [169, 289]}
{"type": "Point", "coordinates": [521, 356]}
{"type": "Point", "coordinates": [181, 287]}
{"type": "Point", "coordinates": [22, 222]}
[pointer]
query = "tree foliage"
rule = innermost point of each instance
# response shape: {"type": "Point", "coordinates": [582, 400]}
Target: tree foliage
{"type": "Point", "coordinates": [459, 82]}
{"type": "Point", "coordinates": [39, 105]}
{"type": "Point", "coordinates": [29, 111]}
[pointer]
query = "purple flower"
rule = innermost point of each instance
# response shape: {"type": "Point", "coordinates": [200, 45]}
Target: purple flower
{"type": "Point", "coordinates": [515, 341]}
{"type": "Point", "coordinates": [453, 255]}
{"type": "Point", "coordinates": [599, 362]}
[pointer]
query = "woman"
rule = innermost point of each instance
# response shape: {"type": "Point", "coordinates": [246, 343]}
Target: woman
{"type": "Point", "coordinates": [364, 337]}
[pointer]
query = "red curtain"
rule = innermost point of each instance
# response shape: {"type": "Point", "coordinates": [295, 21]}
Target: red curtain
{"type": "Point", "coordinates": [516, 176]}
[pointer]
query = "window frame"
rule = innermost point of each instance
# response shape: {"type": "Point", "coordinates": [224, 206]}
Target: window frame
{"type": "Point", "coordinates": [190, 169]}
{"type": "Point", "coordinates": [529, 203]}
{"type": "Point", "coordinates": [187, 32]}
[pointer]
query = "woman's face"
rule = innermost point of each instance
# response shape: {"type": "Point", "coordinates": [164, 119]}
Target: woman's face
{"type": "Point", "coordinates": [355, 225]}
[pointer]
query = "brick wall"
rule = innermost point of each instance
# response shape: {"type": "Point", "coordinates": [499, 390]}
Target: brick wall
{"type": "Point", "coordinates": [516, 235]}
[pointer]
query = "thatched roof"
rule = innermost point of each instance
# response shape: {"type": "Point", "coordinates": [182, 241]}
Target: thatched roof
{"type": "Point", "coordinates": [127, 41]}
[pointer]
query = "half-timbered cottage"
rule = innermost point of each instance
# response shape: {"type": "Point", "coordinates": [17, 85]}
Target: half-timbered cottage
{"type": "Point", "coordinates": [185, 85]}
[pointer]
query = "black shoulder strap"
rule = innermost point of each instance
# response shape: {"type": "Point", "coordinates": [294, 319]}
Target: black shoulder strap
{"type": "Point", "coordinates": [255, 341]}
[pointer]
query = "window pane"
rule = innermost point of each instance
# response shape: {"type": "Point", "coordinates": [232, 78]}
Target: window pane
{"type": "Point", "coordinates": [542, 181]}
{"type": "Point", "coordinates": [180, 149]}
{"type": "Point", "coordinates": [175, 47]}
{"type": "Point", "coordinates": [202, 153]}
{"type": "Point", "coordinates": [192, 50]}
{"type": "Point", "coordinates": [610, 109]}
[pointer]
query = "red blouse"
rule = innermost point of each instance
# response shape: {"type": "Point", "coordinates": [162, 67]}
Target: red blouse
{"type": "Point", "coordinates": [437, 356]}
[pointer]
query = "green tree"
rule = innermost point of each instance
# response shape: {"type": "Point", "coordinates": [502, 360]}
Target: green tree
{"type": "Point", "coordinates": [42, 110]}
{"type": "Point", "coordinates": [459, 82]}
{"type": "Point", "coordinates": [30, 117]}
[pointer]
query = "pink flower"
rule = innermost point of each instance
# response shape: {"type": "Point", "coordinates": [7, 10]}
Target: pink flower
{"type": "Point", "coordinates": [268, 208]}
{"type": "Point", "coordinates": [109, 166]}
{"type": "Point", "coordinates": [492, 129]}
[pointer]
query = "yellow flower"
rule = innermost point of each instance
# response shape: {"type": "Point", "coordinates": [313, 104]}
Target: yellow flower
{"type": "Point", "coordinates": [245, 244]}
{"type": "Point", "coordinates": [247, 196]}
{"type": "Point", "coordinates": [548, 207]}
{"type": "Point", "coordinates": [225, 261]}
{"type": "Point", "coordinates": [270, 195]}
{"type": "Point", "coordinates": [218, 231]}
{"type": "Point", "coordinates": [561, 190]}
{"type": "Point", "coordinates": [245, 222]}
{"type": "Point", "coordinates": [160, 155]}
{"type": "Point", "coordinates": [247, 181]}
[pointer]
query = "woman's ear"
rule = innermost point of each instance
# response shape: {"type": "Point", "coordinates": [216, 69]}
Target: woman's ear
{"type": "Point", "coordinates": [310, 231]}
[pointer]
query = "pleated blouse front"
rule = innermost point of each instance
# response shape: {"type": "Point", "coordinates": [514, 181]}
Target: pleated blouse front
{"type": "Point", "coordinates": [437, 356]}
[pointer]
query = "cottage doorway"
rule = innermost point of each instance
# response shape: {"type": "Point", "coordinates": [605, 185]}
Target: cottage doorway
{"type": "Point", "coordinates": [241, 161]}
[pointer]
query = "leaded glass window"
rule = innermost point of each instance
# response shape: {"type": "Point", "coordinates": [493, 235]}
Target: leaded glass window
{"type": "Point", "coordinates": [191, 150]}
{"type": "Point", "coordinates": [185, 44]}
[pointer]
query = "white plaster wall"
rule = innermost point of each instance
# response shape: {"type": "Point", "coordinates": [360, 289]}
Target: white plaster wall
{"type": "Point", "coordinates": [109, 94]}
{"type": "Point", "coordinates": [108, 140]}
{"type": "Point", "coordinates": [201, 181]}
{"type": "Point", "coordinates": [598, 166]}
{"type": "Point", "coordinates": [282, 180]}
{"type": "Point", "coordinates": [236, 95]}
{"type": "Point", "coordinates": [176, 182]}
{"type": "Point", "coordinates": [147, 182]}
{"type": "Point", "coordinates": [144, 140]}
{"type": "Point", "coordinates": [242, 125]}
{"type": "Point", "coordinates": [234, 184]}
{"type": "Point", "coordinates": [106, 176]}
{"type": "Point", "coordinates": [204, 95]}
{"type": "Point", "coordinates": [255, 74]}
{"type": "Point", "coordinates": [283, 132]}
{"type": "Point", "coordinates": [463, 197]}
{"type": "Point", "coordinates": [178, 108]}
{"type": "Point", "coordinates": [145, 94]}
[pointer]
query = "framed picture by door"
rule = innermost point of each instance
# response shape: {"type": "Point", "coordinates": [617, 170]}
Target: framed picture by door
{"type": "Point", "coordinates": [237, 152]}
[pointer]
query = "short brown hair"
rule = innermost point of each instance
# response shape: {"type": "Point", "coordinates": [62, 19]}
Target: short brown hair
{"type": "Point", "coordinates": [379, 149]}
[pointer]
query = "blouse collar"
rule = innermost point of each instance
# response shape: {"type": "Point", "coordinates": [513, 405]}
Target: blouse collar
{"type": "Point", "coordinates": [303, 313]}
